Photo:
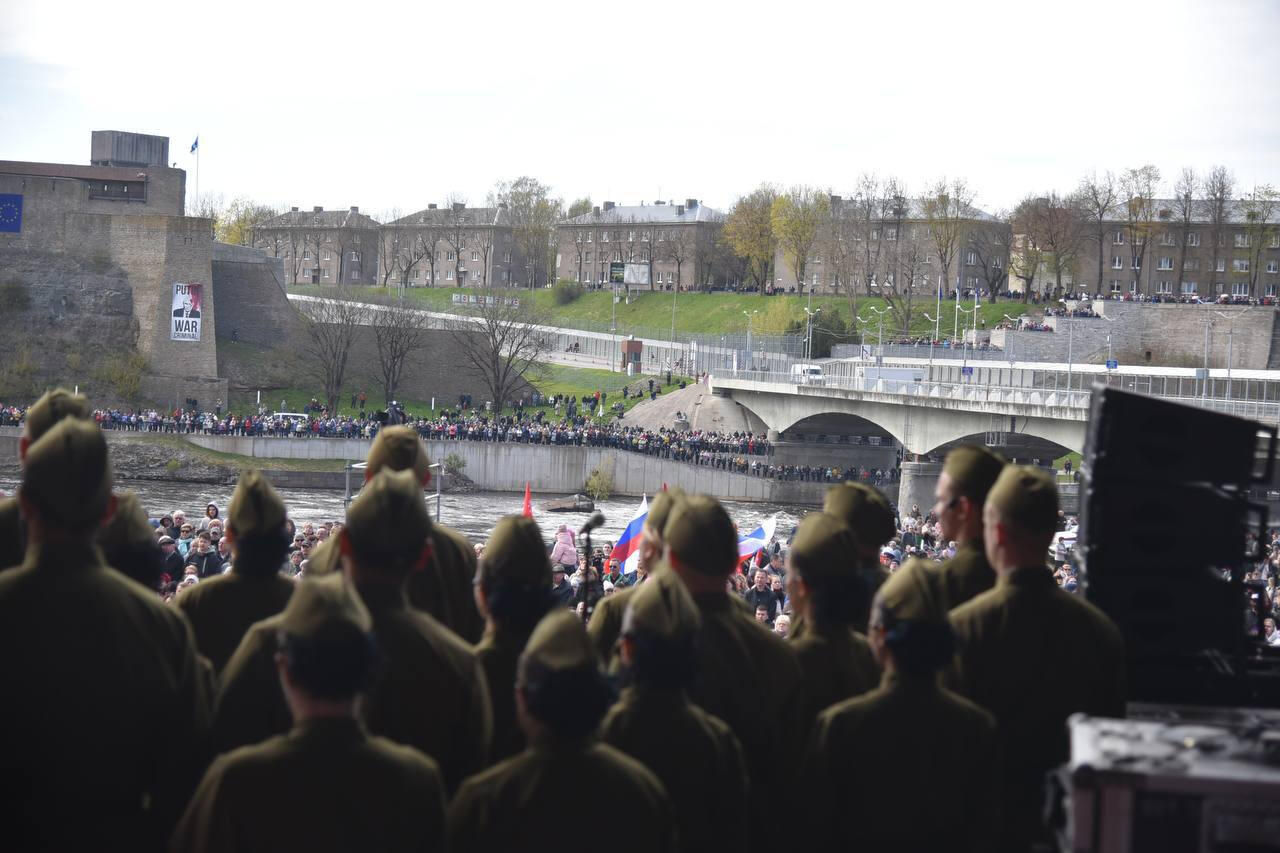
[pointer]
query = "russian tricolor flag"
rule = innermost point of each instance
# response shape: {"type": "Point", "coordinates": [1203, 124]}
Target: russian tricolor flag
{"type": "Point", "coordinates": [627, 551]}
{"type": "Point", "coordinates": [758, 538]}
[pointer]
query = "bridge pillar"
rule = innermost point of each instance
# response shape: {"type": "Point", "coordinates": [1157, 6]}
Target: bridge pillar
{"type": "Point", "coordinates": [917, 484]}
{"type": "Point", "coordinates": [773, 436]}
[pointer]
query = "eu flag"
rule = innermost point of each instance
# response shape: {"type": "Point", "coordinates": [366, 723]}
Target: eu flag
{"type": "Point", "coordinates": [10, 213]}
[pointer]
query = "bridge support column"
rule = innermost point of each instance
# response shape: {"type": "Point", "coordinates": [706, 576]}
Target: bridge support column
{"type": "Point", "coordinates": [917, 484]}
{"type": "Point", "coordinates": [773, 436]}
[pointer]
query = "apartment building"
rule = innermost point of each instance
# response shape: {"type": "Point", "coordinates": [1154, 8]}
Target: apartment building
{"type": "Point", "coordinates": [322, 246]}
{"type": "Point", "coordinates": [676, 242]}
{"type": "Point", "coordinates": [452, 246]}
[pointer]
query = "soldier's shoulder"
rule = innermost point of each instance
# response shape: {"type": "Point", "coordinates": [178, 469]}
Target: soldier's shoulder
{"type": "Point", "coordinates": [970, 712]}
{"type": "Point", "coordinates": [447, 535]}
{"type": "Point", "coordinates": [406, 757]}
{"type": "Point", "coordinates": [979, 608]}
{"type": "Point", "coordinates": [198, 593]}
{"type": "Point", "coordinates": [629, 767]}
{"type": "Point", "coordinates": [436, 634]}
{"type": "Point", "coordinates": [1089, 614]}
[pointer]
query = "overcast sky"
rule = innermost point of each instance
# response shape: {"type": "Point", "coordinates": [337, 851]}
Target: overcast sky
{"type": "Point", "coordinates": [392, 105]}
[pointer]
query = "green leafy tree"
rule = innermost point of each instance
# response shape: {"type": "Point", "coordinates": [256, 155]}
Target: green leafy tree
{"type": "Point", "coordinates": [748, 231]}
{"type": "Point", "coordinates": [797, 217]}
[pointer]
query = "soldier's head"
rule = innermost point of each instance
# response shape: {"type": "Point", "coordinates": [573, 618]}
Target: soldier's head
{"type": "Point", "coordinates": [1020, 517]}
{"type": "Point", "coordinates": [387, 530]}
{"type": "Point", "coordinates": [968, 473]}
{"type": "Point", "coordinates": [49, 410]}
{"type": "Point", "coordinates": [908, 630]}
{"type": "Point", "coordinates": [129, 545]}
{"type": "Point", "coordinates": [326, 650]}
{"type": "Point", "coordinates": [398, 448]}
{"type": "Point", "coordinates": [659, 631]}
{"type": "Point", "coordinates": [867, 513]}
{"type": "Point", "coordinates": [256, 532]}
{"type": "Point", "coordinates": [650, 551]}
{"type": "Point", "coordinates": [66, 486]}
{"type": "Point", "coordinates": [825, 586]}
{"type": "Point", "coordinates": [513, 577]}
{"type": "Point", "coordinates": [700, 543]}
{"type": "Point", "coordinates": [560, 692]}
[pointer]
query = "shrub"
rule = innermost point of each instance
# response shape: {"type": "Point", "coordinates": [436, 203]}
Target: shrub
{"type": "Point", "coordinates": [566, 292]}
{"type": "Point", "coordinates": [599, 484]}
{"type": "Point", "coordinates": [454, 464]}
{"type": "Point", "coordinates": [124, 374]}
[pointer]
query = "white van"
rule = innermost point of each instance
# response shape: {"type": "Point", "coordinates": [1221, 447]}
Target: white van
{"type": "Point", "coordinates": [806, 374]}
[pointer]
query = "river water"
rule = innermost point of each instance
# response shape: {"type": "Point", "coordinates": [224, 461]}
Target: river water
{"type": "Point", "coordinates": [472, 514]}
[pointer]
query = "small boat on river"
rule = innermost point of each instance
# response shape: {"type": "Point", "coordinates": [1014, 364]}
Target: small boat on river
{"type": "Point", "coordinates": [573, 503]}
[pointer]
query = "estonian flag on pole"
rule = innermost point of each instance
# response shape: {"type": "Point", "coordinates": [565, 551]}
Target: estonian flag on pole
{"type": "Point", "coordinates": [195, 145]}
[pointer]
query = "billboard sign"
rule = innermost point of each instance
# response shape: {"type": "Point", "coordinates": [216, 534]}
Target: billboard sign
{"type": "Point", "coordinates": [634, 274]}
{"type": "Point", "coordinates": [617, 272]}
{"type": "Point", "coordinates": [188, 302]}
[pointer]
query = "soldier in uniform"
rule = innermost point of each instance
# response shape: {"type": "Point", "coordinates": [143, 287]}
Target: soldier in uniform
{"type": "Point", "coordinates": [530, 799]}
{"type": "Point", "coordinates": [693, 754]}
{"type": "Point", "coordinates": [746, 675]}
{"type": "Point", "coordinates": [428, 691]}
{"type": "Point", "coordinates": [105, 702]}
{"type": "Point", "coordinates": [827, 593]}
{"type": "Point", "coordinates": [222, 608]}
{"type": "Point", "coordinates": [1031, 653]}
{"type": "Point", "coordinates": [868, 514]}
{"type": "Point", "coordinates": [43, 414]}
{"type": "Point", "coordinates": [443, 587]}
{"type": "Point", "coordinates": [513, 581]}
{"type": "Point", "coordinates": [909, 766]}
{"type": "Point", "coordinates": [606, 625]}
{"type": "Point", "coordinates": [968, 474]}
{"type": "Point", "coordinates": [326, 785]}
{"type": "Point", "coordinates": [129, 544]}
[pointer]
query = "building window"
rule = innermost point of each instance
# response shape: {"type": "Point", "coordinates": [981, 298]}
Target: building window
{"type": "Point", "coordinates": [326, 273]}
{"type": "Point", "coordinates": [1243, 241]}
{"type": "Point", "coordinates": [577, 238]}
{"type": "Point", "coordinates": [355, 256]}
{"type": "Point", "coordinates": [671, 277]}
{"type": "Point", "coordinates": [506, 276]}
{"type": "Point", "coordinates": [475, 256]}
{"type": "Point", "coordinates": [1165, 264]}
{"type": "Point", "coordinates": [589, 235]}
{"type": "Point", "coordinates": [1115, 285]}
{"type": "Point", "coordinates": [1273, 266]}
{"type": "Point", "coordinates": [1221, 266]}
{"type": "Point", "coordinates": [997, 263]}
{"type": "Point", "coordinates": [1118, 238]}
{"type": "Point", "coordinates": [1137, 263]}
{"type": "Point", "coordinates": [1193, 238]}
{"type": "Point", "coordinates": [662, 235]}
{"type": "Point", "coordinates": [1240, 288]}
{"type": "Point", "coordinates": [1190, 264]}
{"type": "Point", "coordinates": [1275, 240]}
{"type": "Point", "coordinates": [891, 233]}
{"type": "Point", "coordinates": [1117, 262]}
{"type": "Point", "coordinates": [645, 238]}
{"type": "Point", "coordinates": [448, 275]}
{"type": "Point", "coordinates": [559, 261]}
{"type": "Point", "coordinates": [604, 236]}
{"type": "Point", "coordinates": [971, 258]}
{"type": "Point", "coordinates": [1188, 288]}
{"type": "Point", "coordinates": [448, 256]}
{"type": "Point", "coordinates": [1165, 286]}
{"type": "Point", "coordinates": [1167, 239]}
{"type": "Point", "coordinates": [1269, 290]}
{"type": "Point", "coordinates": [586, 258]}
{"type": "Point", "coordinates": [631, 236]}
{"type": "Point", "coordinates": [506, 259]}
{"type": "Point", "coordinates": [973, 282]}
{"type": "Point", "coordinates": [1240, 265]}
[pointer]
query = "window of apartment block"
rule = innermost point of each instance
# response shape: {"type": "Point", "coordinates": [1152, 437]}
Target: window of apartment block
{"type": "Point", "coordinates": [1240, 288]}
{"type": "Point", "coordinates": [326, 273]}
{"type": "Point", "coordinates": [1221, 266]}
{"type": "Point", "coordinates": [586, 257]}
{"type": "Point", "coordinates": [448, 256]}
{"type": "Point", "coordinates": [604, 236]}
{"type": "Point", "coordinates": [506, 276]}
{"type": "Point", "coordinates": [1190, 264]}
{"type": "Point", "coordinates": [1118, 238]}
{"type": "Point", "coordinates": [1193, 238]}
{"type": "Point", "coordinates": [1115, 285]}
{"type": "Point", "coordinates": [1275, 241]}
{"type": "Point", "coordinates": [891, 233]}
{"type": "Point", "coordinates": [326, 256]}
{"type": "Point", "coordinates": [973, 282]}
{"type": "Point", "coordinates": [1240, 265]}
{"type": "Point", "coordinates": [662, 235]}
{"type": "Point", "coordinates": [997, 263]}
{"type": "Point", "coordinates": [645, 238]}
{"type": "Point", "coordinates": [475, 256]}
{"type": "Point", "coordinates": [1243, 241]}
{"type": "Point", "coordinates": [1164, 287]}
{"type": "Point", "coordinates": [1188, 288]}
{"type": "Point", "coordinates": [1137, 263]}
{"type": "Point", "coordinates": [631, 236]}
{"type": "Point", "coordinates": [1164, 264]}
{"type": "Point", "coordinates": [448, 275]}
{"type": "Point", "coordinates": [589, 236]}
{"type": "Point", "coordinates": [355, 256]}
{"type": "Point", "coordinates": [1117, 262]}
{"type": "Point", "coordinates": [671, 278]}
{"type": "Point", "coordinates": [506, 259]}
{"type": "Point", "coordinates": [1269, 290]}
{"type": "Point", "coordinates": [1167, 239]}
{"type": "Point", "coordinates": [559, 261]}
{"type": "Point", "coordinates": [1273, 266]}
{"type": "Point", "coordinates": [971, 258]}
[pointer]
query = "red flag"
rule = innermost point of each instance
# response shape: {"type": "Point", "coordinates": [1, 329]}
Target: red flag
{"type": "Point", "coordinates": [527, 512]}
{"type": "Point", "coordinates": [664, 487]}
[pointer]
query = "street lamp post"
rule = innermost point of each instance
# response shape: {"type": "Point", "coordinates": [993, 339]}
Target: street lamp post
{"type": "Point", "coordinates": [1231, 334]}
{"type": "Point", "coordinates": [808, 346]}
{"type": "Point", "coordinates": [880, 333]}
{"type": "Point", "coordinates": [750, 316]}
{"type": "Point", "coordinates": [1016, 322]}
{"type": "Point", "coordinates": [964, 345]}
{"type": "Point", "coordinates": [933, 320]}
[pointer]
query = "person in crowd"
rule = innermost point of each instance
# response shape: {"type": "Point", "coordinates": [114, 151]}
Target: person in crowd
{"type": "Point", "coordinates": [967, 476]}
{"type": "Point", "coordinates": [210, 515]}
{"type": "Point", "coordinates": [173, 562]}
{"type": "Point", "coordinates": [128, 544]}
{"type": "Point", "coordinates": [746, 675]}
{"type": "Point", "coordinates": [827, 593]}
{"type": "Point", "coordinates": [564, 552]}
{"type": "Point", "coordinates": [562, 590]}
{"type": "Point", "coordinates": [909, 734]}
{"type": "Point", "coordinates": [1031, 653]}
{"type": "Point", "coordinates": [512, 581]}
{"type": "Point", "coordinates": [561, 697]}
{"type": "Point", "coordinates": [186, 539]}
{"type": "Point", "coordinates": [429, 691]}
{"type": "Point", "coordinates": [866, 512]}
{"type": "Point", "coordinates": [203, 556]}
{"type": "Point", "coordinates": [224, 606]}
{"type": "Point", "coordinates": [326, 785]}
{"type": "Point", "coordinates": [782, 626]}
{"type": "Point", "coordinates": [761, 595]}
{"type": "Point", "coordinates": [694, 755]}
{"type": "Point", "coordinates": [40, 418]}
{"type": "Point", "coordinates": [105, 705]}
{"type": "Point", "coordinates": [179, 518]}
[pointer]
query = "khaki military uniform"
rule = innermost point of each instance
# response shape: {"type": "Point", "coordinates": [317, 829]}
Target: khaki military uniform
{"type": "Point", "coordinates": [327, 785]}
{"type": "Point", "coordinates": [967, 574]}
{"type": "Point", "coordinates": [222, 608]}
{"type": "Point", "coordinates": [605, 626]}
{"type": "Point", "coordinates": [907, 767]}
{"type": "Point", "coordinates": [1032, 654]}
{"type": "Point", "coordinates": [498, 652]}
{"type": "Point", "coordinates": [428, 692]}
{"type": "Point", "coordinates": [550, 797]}
{"type": "Point", "coordinates": [837, 664]}
{"type": "Point", "coordinates": [694, 755]}
{"type": "Point", "coordinates": [104, 706]}
{"type": "Point", "coordinates": [13, 539]}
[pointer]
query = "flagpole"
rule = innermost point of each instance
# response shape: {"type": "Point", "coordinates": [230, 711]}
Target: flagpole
{"type": "Point", "coordinates": [197, 172]}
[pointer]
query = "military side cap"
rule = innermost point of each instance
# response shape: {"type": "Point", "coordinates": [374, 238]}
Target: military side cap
{"type": "Point", "coordinates": [68, 474]}
{"type": "Point", "coordinates": [389, 521]}
{"type": "Point", "coordinates": [515, 553]}
{"type": "Point", "coordinates": [974, 470]}
{"type": "Point", "coordinates": [913, 594]}
{"type": "Point", "coordinates": [662, 608]}
{"type": "Point", "coordinates": [52, 408]}
{"type": "Point", "coordinates": [660, 508]}
{"type": "Point", "coordinates": [558, 644]}
{"type": "Point", "coordinates": [701, 533]}
{"type": "Point", "coordinates": [823, 546]}
{"type": "Point", "coordinates": [398, 448]}
{"type": "Point", "coordinates": [129, 527]}
{"type": "Point", "coordinates": [256, 508]}
{"type": "Point", "coordinates": [324, 558]}
{"type": "Point", "coordinates": [1026, 497]}
{"type": "Point", "coordinates": [322, 605]}
{"type": "Point", "coordinates": [863, 510]}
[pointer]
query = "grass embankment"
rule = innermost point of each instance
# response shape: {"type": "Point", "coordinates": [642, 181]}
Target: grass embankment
{"type": "Point", "coordinates": [701, 313]}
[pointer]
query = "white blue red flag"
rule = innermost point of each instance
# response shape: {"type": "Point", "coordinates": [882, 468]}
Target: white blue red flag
{"type": "Point", "coordinates": [627, 551]}
{"type": "Point", "coordinates": [758, 538]}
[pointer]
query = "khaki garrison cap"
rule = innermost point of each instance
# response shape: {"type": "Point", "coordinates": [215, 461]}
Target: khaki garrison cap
{"type": "Point", "coordinates": [52, 408]}
{"type": "Point", "coordinates": [515, 553]}
{"type": "Point", "coordinates": [68, 475]}
{"type": "Point", "coordinates": [912, 594]}
{"type": "Point", "coordinates": [1027, 498]}
{"type": "Point", "coordinates": [558, 644]}
{"type": "Point", "coordinates": [388, 522]}
{"type": "Point", "coordinates": [256, 508]}
{"type": "Point", "coordinates": [701, 533]}
{"type": "Point", "coordinates": [399, 449]}
{"type": "Point", "coordinates": [973, 470]}
{"type": "Point", "coordinates": [864, 511]}
{"type": "Point", "coordinates": [128, 527]}
{"type": "Point", "coordinates": [822, 547]}
{"type": "Point", "coordinates": [661, 608]}
{"type": "Point", "coordinates": [322, 605]}
{"type": "Point", "coordinates": [660, 508]}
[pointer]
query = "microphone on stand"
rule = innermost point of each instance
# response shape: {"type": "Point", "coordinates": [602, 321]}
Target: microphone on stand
{"type": "Point", "coordinates": [596, 519]}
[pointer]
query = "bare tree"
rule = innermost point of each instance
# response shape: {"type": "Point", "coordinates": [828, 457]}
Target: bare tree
{"type": "Point", "coordinates": [1061, 236]}
{"type": "Point", "coordinates": [398, 333]}
{"type": "Point", "coordinates": [838, 250]}
{"type": "Point", "coordinates": [1218, 188]}
{"type": "Point", "coordinates": [1028, 257]}
{"type": "Point", "coordinates": [1097, 197]}
{"type": "Point", "coordinates": [457, 228]}
{"type": "Point", "coordinates": [797, 217]}
{"type": "Point", "coordinates": [866, 212]}
{"type": "Point", "coordinates": [331, 328]}
{"type": "Point", "coordinates": [534, 213]}
{"type": "Point", "coordinates": [907, 273]}
{"type": "Point", "coordinates": [680, 247]}
{"type": "Point", "coordinates": [313, 243]}
{"type": "Point", "coordinates": [1260, 230]}
{"type": "Point", "coordinates": [1138, 189]}
{"type": "Point", "coordinates": [947, 209]}
{"type": "Point", "coordinates": [498, 340]}
{"type": "Point", "coordinates": [482, 245]}
{"type": "Point", "coordinates": [1185, 208]}
{"type": "Point", "coordinates": [648, 240]}
{"type": "Point", "coordinates": [992, 242]}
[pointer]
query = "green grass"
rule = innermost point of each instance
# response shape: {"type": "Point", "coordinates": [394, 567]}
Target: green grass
{"type": "Point", "coordinates": [704, 313]}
